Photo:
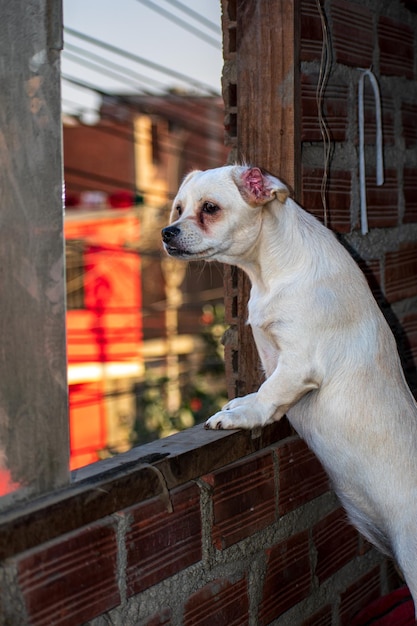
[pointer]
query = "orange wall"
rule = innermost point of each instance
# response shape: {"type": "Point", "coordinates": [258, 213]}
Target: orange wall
{"type": "Point", "coordinates": [109, 328]}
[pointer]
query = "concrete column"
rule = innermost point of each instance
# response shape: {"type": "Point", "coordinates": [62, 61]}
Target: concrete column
{"type": "Point", "coordinates": [34, 446]}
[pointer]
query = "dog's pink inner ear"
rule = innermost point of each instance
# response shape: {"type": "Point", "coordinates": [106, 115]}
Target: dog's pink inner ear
{"type": "Point", "coordinates": [259, 188]}
{"type": "Point", "coordinates": [254, 182]}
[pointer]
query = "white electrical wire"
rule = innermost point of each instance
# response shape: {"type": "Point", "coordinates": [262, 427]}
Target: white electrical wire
{"type": "Point", "coordinates": [325, 67]}
{"type": "Point", "coordinates": [379, 148]}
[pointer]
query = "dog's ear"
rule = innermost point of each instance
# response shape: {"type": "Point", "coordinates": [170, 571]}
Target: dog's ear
{"type": "Point", "coordinates": [258, 187]}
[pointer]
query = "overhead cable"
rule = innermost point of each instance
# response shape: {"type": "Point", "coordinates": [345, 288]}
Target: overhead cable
{"type": "Point", "coordinates": [196, 16]}
{"type": "Point", "coordinates": [151, 64]}
{"type": "Point", "coordinates": [103, 70]}
{"type": "Point", "coordinates": [102, 66]}
{"type": "Point", "coordinates": [115, 66]}
{"type": "Point", "coordinates": [177, 20]}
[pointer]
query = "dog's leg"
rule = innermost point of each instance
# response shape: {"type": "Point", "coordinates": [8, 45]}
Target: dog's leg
{"type": "Point", "coordinates": [275, 396]}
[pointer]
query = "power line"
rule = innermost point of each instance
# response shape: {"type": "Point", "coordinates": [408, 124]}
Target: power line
{"type": "Point", "coordinates": [101, 61]}
{"type": "Point", "coordinates": [103, 70]}
{"type": "Point", "coordinates": [75, 58]}
{"type": "Point", "coordinates": [115, 66]}
{"type": "Point", "coordinates": [137, 59]}
{"type": "Point", "coordinates": [83, 85]}
{"type": "Point", "coordinates": [177, 20]}
{"type": "Point", "coordinates": [196, 16]}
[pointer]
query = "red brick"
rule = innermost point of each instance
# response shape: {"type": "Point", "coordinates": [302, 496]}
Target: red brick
{"type": "Point", "coordinates": [410, 194]}
{"type": "Point", "coordinates": [221, 603]}
{"type": "Point", "coordinates": [338, 196]}
{"type": "Point", "coordinates": [243, 498]}
{"type": "Point", "coordinates": [382, 202]}
{"type": "Point", "coordinates": [352, 33]}
{"type": "Point", "coordinates": [160, 544]}
{"type": "Point", "coordinates": [396, 48]}
{"type": "Point", "coordinates": [321, 618]}
{"type": "Point", "coordinates": [359, 595]}
{"type": "Point", "coordinates": [288, 578]}
{"type": "Point", "coordinates": [409, 122]}
{"type": "Point", "coordinates": [311, 31]}
{"type": "Point", "coordinates": [301, 475]}
{"type": "Point", "coordinates": [73, 579]}
{"type": "Point", "coordinates": [401, 273]}
{"type": "Point", "coordinates": [334, 106]}
{"type": "Point", "coordinates": [336, 542]}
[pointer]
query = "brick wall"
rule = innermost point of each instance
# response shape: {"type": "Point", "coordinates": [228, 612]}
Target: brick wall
{"type": "Point", "coordinates": [366, 34]}
{"type": "Point", "coordinates": [258, 540]}
{"type": "Point", "coordinates": [241, 528]}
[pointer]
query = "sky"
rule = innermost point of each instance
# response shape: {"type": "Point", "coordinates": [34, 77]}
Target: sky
{"type": "Point", "coordinates": [135, 27]}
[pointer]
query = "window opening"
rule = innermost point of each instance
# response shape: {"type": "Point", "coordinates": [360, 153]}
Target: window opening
{"type": "Point", "coordinates": [144, 332]}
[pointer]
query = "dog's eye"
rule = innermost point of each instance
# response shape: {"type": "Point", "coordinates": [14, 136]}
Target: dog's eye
{"type": "Point", "coordinates": [179, 209]}
{"type": "Point", "coordinates": [210, 208]}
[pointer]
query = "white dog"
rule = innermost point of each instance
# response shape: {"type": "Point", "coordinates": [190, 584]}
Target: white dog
{"type": "Point", "coordinates": [329, 357]}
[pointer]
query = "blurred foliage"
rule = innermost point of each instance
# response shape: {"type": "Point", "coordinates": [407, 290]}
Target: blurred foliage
{"type": "Point", "coordinates": [203, 391]}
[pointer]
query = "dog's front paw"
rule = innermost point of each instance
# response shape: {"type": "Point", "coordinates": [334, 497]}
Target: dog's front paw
{"type": "Point", "coordinates": [221, 421]}
{"type": "Point", "coordinates": [238, 413]}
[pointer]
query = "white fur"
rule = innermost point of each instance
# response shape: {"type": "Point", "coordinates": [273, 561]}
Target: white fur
{"type": "Point", "coordinates": [330, 359]}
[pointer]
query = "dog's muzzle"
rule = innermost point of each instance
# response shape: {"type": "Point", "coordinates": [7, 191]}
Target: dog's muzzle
{"type": "Point", "coordinates": [169, 233]}
{"type": "Point", "coordinates": [170, 238]}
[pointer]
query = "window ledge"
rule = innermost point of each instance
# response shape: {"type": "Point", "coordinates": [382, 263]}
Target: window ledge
{"type": "Point", "coordinates": [111, 485]}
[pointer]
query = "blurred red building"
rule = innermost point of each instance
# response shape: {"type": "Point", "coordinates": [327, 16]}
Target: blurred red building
{"type": "Point", "coordinates": [116, 280]}
{"type": "Point", "coordinates": [104, 327]}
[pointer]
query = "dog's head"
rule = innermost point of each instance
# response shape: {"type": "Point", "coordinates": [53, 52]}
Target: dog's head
{"type": "Point", "coordinates": [217, 214]}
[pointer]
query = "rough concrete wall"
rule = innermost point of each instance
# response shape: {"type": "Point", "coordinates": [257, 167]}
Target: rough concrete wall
{"type": "Point", "coordinates": [33, 392]}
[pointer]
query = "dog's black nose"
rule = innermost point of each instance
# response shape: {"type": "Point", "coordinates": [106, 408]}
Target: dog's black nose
{"type": "Point", "coordinates": [169, 233]}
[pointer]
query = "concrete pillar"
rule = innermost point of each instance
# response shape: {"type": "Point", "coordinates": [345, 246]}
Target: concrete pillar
{"type": "Point", "coordinates": [34, 446]}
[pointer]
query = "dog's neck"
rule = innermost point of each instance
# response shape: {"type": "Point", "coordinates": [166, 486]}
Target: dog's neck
{"type": "Point", "coordinates": [280, 250]}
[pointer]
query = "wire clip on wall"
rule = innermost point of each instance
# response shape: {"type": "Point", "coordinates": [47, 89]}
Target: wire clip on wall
{"type": "Point", "coordinates": [379, 151]}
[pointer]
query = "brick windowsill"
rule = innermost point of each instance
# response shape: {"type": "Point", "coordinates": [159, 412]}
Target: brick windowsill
{"type": "Point", "coordinates": [111, 485]}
